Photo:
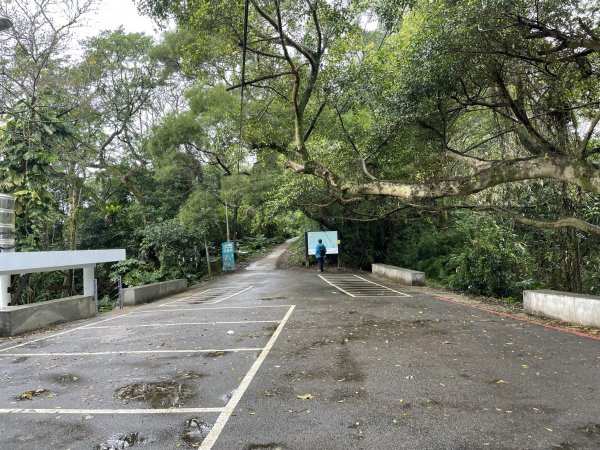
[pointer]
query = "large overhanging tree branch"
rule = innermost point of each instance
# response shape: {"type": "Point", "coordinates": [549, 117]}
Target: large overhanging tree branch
{"type": "Point", "coordinates": [562, 169]}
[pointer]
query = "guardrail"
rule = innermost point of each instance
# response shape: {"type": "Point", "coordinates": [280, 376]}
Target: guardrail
{"type": "Point", "coordinates": [405, 276]}
{"type": "Point", "coordinates": [567, 306]}
{"type": "Point", "coordinates": [147, 293]}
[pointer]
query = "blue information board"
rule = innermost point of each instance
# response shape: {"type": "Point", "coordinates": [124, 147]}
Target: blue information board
{"type": "Point", "coordinates": [227, 256]}
{"type": "Point", "coordinates": [329, 238]}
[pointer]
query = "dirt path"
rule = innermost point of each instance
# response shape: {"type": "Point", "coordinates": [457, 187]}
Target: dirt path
{"type": "Point", "coordinates": [269, 262]}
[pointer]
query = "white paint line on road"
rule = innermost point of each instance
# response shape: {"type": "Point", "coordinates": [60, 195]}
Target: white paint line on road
{"type": "Point", "coordinates": [385, 287]}
{"type": "Point", "coordinates": [179, 324]}
{"type": "Point", "coordinates": [214, 292]}
{"type": "Point", "coordinates": [185, 298]}
{"type": "Point", "coordinates": [204, 308]}
{"type": "Point", "coordinates": [232, 295]}
{"type": "Point", "coordinates": [356, 284]}
{"type": "Point", "coordinates": [131, 352]}
{"type": "Point", "coordinates": [217, 428]}
{"type": "Point", "coordinates": [91, 412]}
{"type": "Point", "coordinates": [64, 332]}
{"type": "Point", "coordinates": [337, 287]}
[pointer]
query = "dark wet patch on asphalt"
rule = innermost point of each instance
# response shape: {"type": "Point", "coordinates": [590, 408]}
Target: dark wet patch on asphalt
{"type": "Point", "coordinates": [195, 432]}
{"type": "Point", "coordinates": [21, 359]}
{"type": "Point", "coordinates": [218, 354]}
{"type": "Point", "coordinates": [349, 367]}
{"type": "Point", "coordinates": [121, 441]}
{"type": "Point", "coordinates": [266, 299]}
{"type": "Point", "coordinates": [269, 446]}
{"type": "Point", "coordinates": [591, 429]}
{"type": "Point", "coordinates": [161, 394]}
{"type": "Point", "coordinates": [66, 378]}
{"type": "Point", "coordinates": [270, 329]}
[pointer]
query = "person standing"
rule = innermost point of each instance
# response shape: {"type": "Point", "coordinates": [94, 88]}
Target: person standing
{"type": "Point", "coordinates": [320, 252]}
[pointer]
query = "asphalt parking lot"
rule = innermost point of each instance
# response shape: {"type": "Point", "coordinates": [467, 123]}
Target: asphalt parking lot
{"type": "Point", "coordinates": [295, 360]}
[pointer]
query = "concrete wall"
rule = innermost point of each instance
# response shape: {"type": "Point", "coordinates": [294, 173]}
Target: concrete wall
{"type": "Point", "coordinates": [20, 319]}
{"type": "Point", "coordinates": [405, 276]}
{"type": "Point", "coordinates": [144, 294]}
{"type": "Point", "coordinates": [576, 308]}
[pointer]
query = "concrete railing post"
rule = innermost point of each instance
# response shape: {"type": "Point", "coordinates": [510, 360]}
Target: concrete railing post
{"type": "Point", "coordinates": [4, 291]}
{"type": "Point", "coordinates": [88, 280]}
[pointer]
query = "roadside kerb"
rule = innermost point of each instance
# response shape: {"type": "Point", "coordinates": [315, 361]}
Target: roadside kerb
{"type": "Point", "coordinates": [566, 306]}
{"type": "Point", "coordinates": [23, 318]}
{"type": "Point", "coordinates": [399, 274]}
{"type": "Point", "coordinates": [137, 295]}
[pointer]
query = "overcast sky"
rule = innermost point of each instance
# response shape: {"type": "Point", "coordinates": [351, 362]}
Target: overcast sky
{"type": "Point", "coordinates": [113, 13]}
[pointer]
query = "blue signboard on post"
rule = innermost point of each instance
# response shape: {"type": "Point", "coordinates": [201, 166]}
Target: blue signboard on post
{"type": "Point", "coordinates": [227, 256]}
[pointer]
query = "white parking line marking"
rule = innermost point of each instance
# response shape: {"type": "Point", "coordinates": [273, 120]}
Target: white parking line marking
{"type": "Point", "coordinates": [217, 428]}
{"type": "Point", "coordinates": [203, 308]}
{"type": "Point", "coordinates": [132, 352]}
{"type": "Point", "coordinates": [178, 324]}
{"type": "Point", "coordinates": [237, 293]}
{"type": "Point", "coordinates": [64, 332]}
{"type": "Point", "coordinates": [111, 411]}
{"type": "Point", "coordinates": [208, 294]}
{"type": "Point", "coordinates": [337, 287]}
{"type": "Point", "coordinates": [358, 288]}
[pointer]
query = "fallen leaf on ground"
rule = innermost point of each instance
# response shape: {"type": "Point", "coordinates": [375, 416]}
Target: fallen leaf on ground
{"type": "Point", "coordinates": [304, 396]}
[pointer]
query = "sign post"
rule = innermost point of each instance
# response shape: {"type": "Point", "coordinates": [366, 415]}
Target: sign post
{"type": "Point", "coordinates": [329, 238]}
{"type": "Point", "coordinates": [228, 256]}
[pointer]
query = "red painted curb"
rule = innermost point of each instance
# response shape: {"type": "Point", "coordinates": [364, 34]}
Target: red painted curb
{"type": "Point", "coordinates": [511, 316]}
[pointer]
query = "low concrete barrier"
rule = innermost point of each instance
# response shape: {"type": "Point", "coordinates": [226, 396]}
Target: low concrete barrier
{"type": "Point", "coordinates": [567, 306]}
{"type": "Point", "coordinates": [20, 319]}
{"type": "Point", "coordinates": [405, 276]}
{"type": "Point", "coordinates": [144, 294]}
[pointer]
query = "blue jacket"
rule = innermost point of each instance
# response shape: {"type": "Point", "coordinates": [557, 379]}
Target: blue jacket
{"type": "Point", "coordinates": [317, 248]}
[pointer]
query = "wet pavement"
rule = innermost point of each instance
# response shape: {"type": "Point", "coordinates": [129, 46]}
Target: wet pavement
{"type": "Point", "coordinates": [268, 359]}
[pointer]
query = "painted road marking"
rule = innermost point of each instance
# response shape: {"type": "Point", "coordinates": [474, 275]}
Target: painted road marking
{"type": "Point", "coordinates": [204, 308]}
{"type": "Point", "coordinates": [111, 411]}
{"type": "Point", "coordinates": [178, 324]}
{"type": "Point", "coordinates": [133, 352]}
{"type": "Point", "coordinates": [357, 286]}
{"type": "Point", "coordinates": [217, 295]}
{"type": "Point", "coordinates": [64, 332]}
{"type": "Point", "coordinates": [217, 428]}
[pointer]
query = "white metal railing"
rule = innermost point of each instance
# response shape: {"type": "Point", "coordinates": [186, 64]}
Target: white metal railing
{"type": "Point", "coordinates": [31, 262]}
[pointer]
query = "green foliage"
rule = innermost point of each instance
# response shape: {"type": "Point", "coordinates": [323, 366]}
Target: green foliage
{"type": "Point", "coordinates": [492, 263]}
{"type": "Point", "coordinates": [106, 304]}
{"type": "Point", "coordinates": [28, 150]}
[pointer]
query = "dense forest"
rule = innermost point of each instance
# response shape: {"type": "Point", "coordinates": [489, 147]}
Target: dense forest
{"type": "Point", "coordinates": [457, 138]}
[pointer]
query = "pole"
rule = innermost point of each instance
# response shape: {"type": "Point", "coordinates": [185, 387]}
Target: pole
{"type": "Point", "coordinates": [120, 292]}
{"type": "Point", "coordinates": [5, 281]}
{"type": "Point", "coordinates": [96, 294]}
{"type": "Point", "coordinates": [227, 219]}
{"type": "Point", "coordinates": [207, 255]}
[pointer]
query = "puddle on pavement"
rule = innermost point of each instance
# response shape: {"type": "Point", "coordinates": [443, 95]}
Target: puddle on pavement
{"type": "Point", "coordinates": [122, 441]}
{"type": "Point", "coordinates": [269, 446]}
{"type": "Point", "coordinates": [190, 376]}
{"type": "Point", "coordinates": [592, 429]}
{"type": "Point", "coordinates": [270, 329]}
{"type": "Point", "coordinates": [215, 354]}
{"type": "Point", "coordinates": [196, 432]}
{"type": "Point", "coordinates": [161, 394]}
{"type": "Point", "coordinates": [67, 378]}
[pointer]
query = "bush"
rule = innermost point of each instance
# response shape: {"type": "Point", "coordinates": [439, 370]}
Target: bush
{"type": "Point", "coordinates": [493, 262]}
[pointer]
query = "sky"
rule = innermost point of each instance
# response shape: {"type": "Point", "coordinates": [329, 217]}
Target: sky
{"type": "Point", "coordinates": [113, 13]}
